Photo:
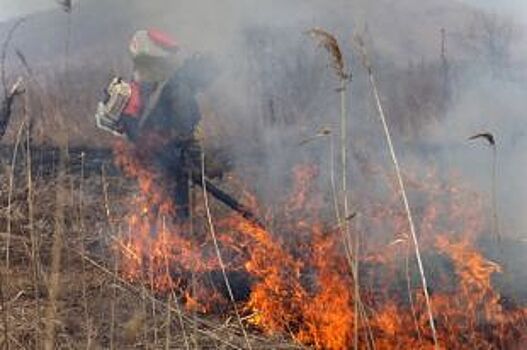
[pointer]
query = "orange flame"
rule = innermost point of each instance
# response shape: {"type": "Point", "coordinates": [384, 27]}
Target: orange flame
{"type": "Point", "coordinates": [300, 279]}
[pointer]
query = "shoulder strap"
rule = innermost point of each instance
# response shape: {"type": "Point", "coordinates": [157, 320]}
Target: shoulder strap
{"type": "Point", "coordinates": [152, 103]}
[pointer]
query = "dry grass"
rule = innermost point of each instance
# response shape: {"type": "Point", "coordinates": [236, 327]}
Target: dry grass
{"type": "Point", "coordinates": [61, 286]}
{"type": "Point", "coordinates": [72, 296]}
{"type": "Point", "coordinates": [351, 244]}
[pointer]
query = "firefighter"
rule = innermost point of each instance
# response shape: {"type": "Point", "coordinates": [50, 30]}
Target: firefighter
{"type": "Point", "coordinates": [158, 112]}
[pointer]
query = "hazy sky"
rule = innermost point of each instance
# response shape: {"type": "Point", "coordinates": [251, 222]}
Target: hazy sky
{"type": "Point", "coordinates": [13, 8]}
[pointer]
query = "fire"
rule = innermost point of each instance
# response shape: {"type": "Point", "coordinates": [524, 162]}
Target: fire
{"type": "Point", "coordinates": [299, 277]}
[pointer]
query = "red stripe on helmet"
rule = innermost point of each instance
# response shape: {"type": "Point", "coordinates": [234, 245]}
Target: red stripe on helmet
{"type": "Point", "coordinates": [162, 39]}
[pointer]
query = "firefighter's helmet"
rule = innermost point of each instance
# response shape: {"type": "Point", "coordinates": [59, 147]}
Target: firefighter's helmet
{"type": "Point", "coordinates": [152, 43]}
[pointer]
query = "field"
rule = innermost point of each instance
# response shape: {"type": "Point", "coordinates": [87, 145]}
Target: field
{"type": "Point", "coordinates": [380, 218]}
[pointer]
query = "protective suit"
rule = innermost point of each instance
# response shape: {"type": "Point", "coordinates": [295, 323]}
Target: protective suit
{"type": "Point", "coordinates": [161, 115]}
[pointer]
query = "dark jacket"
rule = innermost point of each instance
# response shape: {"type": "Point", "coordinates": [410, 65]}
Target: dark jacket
{"type": "Point", "coordinates": [174, 116]}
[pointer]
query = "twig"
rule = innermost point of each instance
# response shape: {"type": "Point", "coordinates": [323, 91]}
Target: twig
{"type": "Point", "coordinates": [162, 303]}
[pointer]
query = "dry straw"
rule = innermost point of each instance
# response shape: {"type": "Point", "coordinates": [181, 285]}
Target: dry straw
{"type": "Point", "coordinates": [337, 62]}
{"type": "Point", "coordinates": [361, 48]}
{"type": "Point", "coordinates": [331, 45]}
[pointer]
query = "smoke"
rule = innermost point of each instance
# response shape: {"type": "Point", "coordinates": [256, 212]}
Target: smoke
{"type": "Point", "coordinates": [497, 106]}
{"type": "Point", "coordinates": [508, 7]}
{"type": "Point", "coordinates": [15, 8]}
{"type": "Point", "coordinates": [275, 88]}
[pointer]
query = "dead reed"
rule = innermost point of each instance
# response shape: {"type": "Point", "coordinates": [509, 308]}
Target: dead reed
{"type": "Point", "coordinates": [361, 48]}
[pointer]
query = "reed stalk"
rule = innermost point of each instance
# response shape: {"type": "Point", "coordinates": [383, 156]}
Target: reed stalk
{"type": "Point", "coordinates": [373, 84]}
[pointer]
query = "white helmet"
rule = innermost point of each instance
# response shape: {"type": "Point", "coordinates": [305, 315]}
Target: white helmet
{"type": "Point", "coordinates": [153, 43]}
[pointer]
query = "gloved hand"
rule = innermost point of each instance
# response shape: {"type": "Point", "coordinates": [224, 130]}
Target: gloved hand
{"type": "Point", "coordinates": [115, 99]}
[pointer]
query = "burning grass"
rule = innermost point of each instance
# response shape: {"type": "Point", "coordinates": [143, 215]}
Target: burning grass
{"type": "Point", "coordinates": [298, 283]}
{"type": "Point", "coordinates": [130, 278]}
{"type": "Point", "coordinates": [96, 305]}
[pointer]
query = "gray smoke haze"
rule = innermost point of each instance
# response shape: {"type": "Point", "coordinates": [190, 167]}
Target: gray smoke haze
{"type": "Point", "coordinates": [15, 8]}
{"type": "Point", "coordinates": [280, 91]}
{"type": "Point", "coordinates": [275, 88]}
{"type": "Point", "coordinates": [497, 106]}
